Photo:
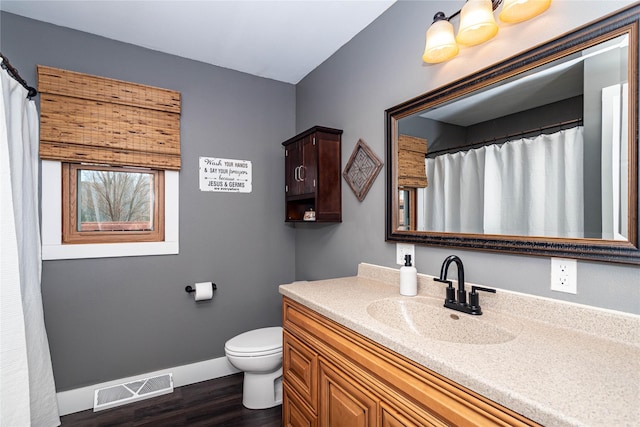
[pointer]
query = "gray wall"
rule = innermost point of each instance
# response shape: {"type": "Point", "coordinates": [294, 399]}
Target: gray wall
{"type": "Point", "coordinates": [439, 135]}
{"type": "Point", "coordinates": [545, 116]}
{"type": "Point", "coordinates": [382, 67]}
{"type": "Point", "coordinates": [117, 317]}
{"type": "Point", "coordinates": [442, 136]}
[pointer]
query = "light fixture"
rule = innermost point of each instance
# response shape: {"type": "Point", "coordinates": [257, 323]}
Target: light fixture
{"type": "Point", "coordinates": [514, 11]}
{"type": "Point", "coordinates": [477, 25]}
{"type": "Point", "coordinates": [441, 44]}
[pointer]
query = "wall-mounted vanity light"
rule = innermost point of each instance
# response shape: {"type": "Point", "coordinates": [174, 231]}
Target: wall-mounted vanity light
{"type": "Point", "coordinates": [477, 25]}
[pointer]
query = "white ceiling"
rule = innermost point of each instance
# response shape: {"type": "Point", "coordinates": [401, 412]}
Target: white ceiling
{"type": "Point", "coordinates": [282, 40]}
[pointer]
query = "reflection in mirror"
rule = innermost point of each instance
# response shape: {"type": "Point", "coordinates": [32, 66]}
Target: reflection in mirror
{"type": "Point", "coordinates": [545, 154]}
{"type": "Point", "coordinates": [517, 167]}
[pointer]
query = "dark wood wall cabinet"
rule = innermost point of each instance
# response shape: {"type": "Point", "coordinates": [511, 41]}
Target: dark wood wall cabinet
{"type": "Point", "coordinates": [313, 182]}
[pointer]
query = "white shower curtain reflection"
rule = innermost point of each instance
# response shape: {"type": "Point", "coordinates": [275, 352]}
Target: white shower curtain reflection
{"type": "Point", "coordinates": [27, 392]}
{"type": "Point", "coordinates": [527, 187]}
{"type": "Point", "coordinates": [454, 199]}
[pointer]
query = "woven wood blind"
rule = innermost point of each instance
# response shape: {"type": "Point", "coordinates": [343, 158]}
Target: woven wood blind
{"type": "Point", "coordinates": [411, 162]}
{"type": "Point", "coordinates": [85, 118]}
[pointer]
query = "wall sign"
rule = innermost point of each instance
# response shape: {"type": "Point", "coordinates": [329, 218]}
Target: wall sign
{"type": "Point", "coordinates": [226, 175]}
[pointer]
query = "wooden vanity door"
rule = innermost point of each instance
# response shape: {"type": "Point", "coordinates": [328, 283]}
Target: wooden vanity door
{"type": "Point", "coordinates": [300, 369]}
{"type": "Point", "coordinates": [343, 403]}
{"type": "Point", "coordinates": [309, 170]}
{"type": "Point", "coordinates": [292, 165]}
{"type": "Point", "coordinates": [294, 412]}
{"type": "Point", "coordinates": [301, 168]}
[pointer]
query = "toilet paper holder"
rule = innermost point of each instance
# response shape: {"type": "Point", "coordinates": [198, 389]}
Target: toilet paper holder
{"type": "Point", "coordinates": [191, 289]}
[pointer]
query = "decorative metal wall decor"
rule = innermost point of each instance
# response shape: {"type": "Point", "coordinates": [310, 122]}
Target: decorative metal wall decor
{"type": "Point", "coordinates": [361, 169]}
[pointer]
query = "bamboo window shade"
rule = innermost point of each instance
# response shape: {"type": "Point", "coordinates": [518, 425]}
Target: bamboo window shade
{"type": "Point", "coordinates": [411, 162]}
{"type": "Point", "coordinates": [91, 119]}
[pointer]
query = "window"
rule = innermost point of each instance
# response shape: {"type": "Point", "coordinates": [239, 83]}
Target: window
{"type": "Point", "coordinates": [110, 154]}
{"type": "Point", "coordinates": [53, 248]}
{"type": "Point", "coordinates": [103, 204]}
{"type": "Point", "coordinates": [407, 215]}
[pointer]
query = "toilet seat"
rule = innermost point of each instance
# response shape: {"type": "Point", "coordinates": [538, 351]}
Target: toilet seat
{"type": "Point", "coordinates": [253, 353]}
{"type": "Point", "coordinates": [258, 342]}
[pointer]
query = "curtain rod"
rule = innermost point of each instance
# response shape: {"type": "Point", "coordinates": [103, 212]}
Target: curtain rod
{"type": "Point", "coordinates": [505, 137]}
{"type": "Point", "coordinates": [6, 65]}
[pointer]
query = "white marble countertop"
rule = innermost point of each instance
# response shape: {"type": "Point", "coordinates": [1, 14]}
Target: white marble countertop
{"type": "Point", "coordinates": [568, 365]}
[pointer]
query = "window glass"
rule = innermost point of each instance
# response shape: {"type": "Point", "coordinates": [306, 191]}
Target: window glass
{"type": "Point", "coordinates": [115, 200]}
{"type": "Point", "coordinates": [108, 204]}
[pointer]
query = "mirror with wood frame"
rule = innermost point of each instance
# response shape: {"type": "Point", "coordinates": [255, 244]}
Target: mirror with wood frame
{"type": "Point", "coordinates": [536, 155]}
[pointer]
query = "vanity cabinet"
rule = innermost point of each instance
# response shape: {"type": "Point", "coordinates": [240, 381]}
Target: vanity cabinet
{"type": "Point", "coordinates": [312, 175]}
{"type": "Point", "coordinates": [335, 377]}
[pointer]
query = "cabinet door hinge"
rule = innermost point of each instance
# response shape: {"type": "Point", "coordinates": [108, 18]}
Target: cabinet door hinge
{"type": "Point", "coordinates": [314, 183]}
{"type": "Point", "coordinates": [314, 140]}
{"type": "Point", "coordinates": [286, 153]}
{"type": "Point", "coordinates": [286, 188]}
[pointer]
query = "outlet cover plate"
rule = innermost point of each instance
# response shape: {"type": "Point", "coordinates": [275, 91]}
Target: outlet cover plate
{"type": "Point", "coordinates": [564, 275]}
{"type": "Point", "coordinates": [403, 249]}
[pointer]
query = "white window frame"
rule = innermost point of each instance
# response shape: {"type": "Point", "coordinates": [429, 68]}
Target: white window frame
{"type": "Point", "coordinates": [52, 247]}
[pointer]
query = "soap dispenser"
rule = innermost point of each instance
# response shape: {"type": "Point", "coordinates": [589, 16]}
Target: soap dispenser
{"type": "Point", "coordinates": [408, 278]}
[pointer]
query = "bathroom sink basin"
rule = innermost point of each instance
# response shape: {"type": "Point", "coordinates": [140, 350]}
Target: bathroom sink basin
{"type": "Point", "coordinates": [428, 318]}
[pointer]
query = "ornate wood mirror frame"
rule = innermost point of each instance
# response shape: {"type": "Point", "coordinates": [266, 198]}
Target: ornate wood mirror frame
{"type": "Point", "coordinates": [600, 249]}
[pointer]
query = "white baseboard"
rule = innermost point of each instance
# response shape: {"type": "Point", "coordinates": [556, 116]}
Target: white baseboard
{"type": "Point", "coordinates": [81, 399]}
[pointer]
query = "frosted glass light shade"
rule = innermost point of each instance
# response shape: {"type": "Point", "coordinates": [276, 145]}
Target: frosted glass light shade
{"type": "Point", "coordinates": [477, 24]}
{"type": "Point", "coordinates": [514, 11]}
{"type": "Point", "coordinates": [441, 44]}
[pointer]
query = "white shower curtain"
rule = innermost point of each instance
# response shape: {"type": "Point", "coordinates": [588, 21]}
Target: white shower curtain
{"type": "Point", "coordinates": [454, 199]}
{"type": "Point", "coordinates": [27, 390]}
{"type": "Point", "coordinates": [528, 187]}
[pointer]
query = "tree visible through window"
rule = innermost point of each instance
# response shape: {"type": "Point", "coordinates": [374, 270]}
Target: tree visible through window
{"type": "Point", "coordinates": [115, 201]}
{"type": "Point", "coordinates": [111, 204]}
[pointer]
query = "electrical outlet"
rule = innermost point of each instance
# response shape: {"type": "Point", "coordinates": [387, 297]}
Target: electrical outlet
{"type": "Point", "coordinates": [403, 249]}
{"type": "Point", "coordinates": [564, 275]}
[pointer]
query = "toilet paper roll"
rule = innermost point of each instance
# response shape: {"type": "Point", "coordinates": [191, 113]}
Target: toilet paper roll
{"type": "Point", "coordinates": [204, 291]}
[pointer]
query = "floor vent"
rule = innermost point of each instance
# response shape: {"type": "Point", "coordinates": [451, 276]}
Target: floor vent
{"type": "Point", "coordinates": [121, 394]}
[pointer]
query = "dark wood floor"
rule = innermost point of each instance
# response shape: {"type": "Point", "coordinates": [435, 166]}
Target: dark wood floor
{"type": "Point", "coordinates": [216, 402]}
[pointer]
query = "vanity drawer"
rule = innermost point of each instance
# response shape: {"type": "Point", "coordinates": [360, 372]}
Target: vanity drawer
{"type": "Point", "coordinates": [295, 413]}
{"type": "Point", "coordinates": [300, 369]}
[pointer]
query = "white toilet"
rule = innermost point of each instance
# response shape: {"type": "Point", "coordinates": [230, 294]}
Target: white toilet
{"type": "Point", "coordinates": [259, 354]}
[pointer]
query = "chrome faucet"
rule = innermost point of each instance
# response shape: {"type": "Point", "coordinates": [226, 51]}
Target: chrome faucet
{"type": "Point", "coordinates": [461, 303]}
